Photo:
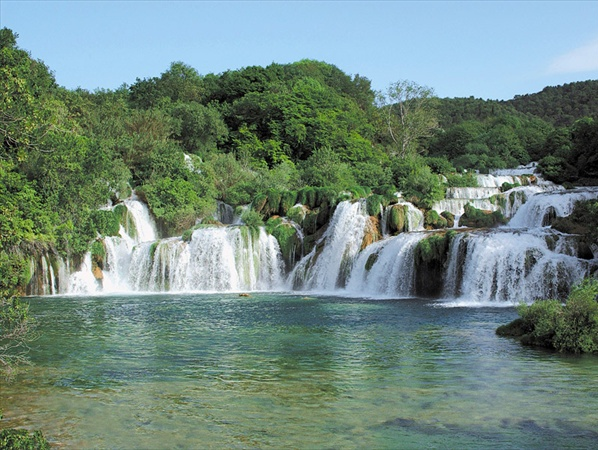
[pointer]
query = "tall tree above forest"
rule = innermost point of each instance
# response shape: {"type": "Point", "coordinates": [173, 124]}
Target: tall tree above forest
{"type": "Point", "coordinates": [410, 114]}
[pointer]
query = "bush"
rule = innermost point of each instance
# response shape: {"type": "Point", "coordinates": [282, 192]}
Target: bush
{"type": "Point", "coordinates": [478, 218]}
{"type": "Point", "coordinates": [570, 328]}
{"type": "Point", "coordinates": [373, 204]}
{"type": "Point", "coordinates": [252, 219]}
{"type": "Point", "coordinates": [434, 221]}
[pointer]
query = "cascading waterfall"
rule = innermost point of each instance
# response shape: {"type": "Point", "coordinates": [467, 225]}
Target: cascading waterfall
{"type": "Point", "coordinates": [216, 259]}
{"type": "Point", "coordinates": [536, 211]}
{"type": "Point", "coordinates": [511, 266]}
{"type": "Point", "coordinates": [521, 261]}
{"type": "Point", "coordinates": [489, 196]}
{"type": "Point", "coordinates": [330, 260]}
{"type": "Point", "coordinates": [137, 227]}
{"type": "Point", "coordinates": [386, 268]}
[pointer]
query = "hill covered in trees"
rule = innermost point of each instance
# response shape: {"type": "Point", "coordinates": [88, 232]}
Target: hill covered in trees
{"type": "Point", "coordinates": [560, 105]}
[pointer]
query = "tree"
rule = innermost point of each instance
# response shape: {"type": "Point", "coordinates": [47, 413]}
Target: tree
{"type": "Point", "coordinates": [410, 115]}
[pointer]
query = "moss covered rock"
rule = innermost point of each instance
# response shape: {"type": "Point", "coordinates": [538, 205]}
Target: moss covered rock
{"type": "Point", "coordinates": [23, 440]}
{"type": "Point", "coordinates": [397, 218]}
{"type": "Point", "coordinates": [478, 218]}
{"type": "Point", "coordinates": [434, 221]}
{"type": "Point", "coordinates": [450, 218]}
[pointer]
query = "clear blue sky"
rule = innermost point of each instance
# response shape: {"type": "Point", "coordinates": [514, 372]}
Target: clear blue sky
{"type": "Point", "coordinates": [491, 50]}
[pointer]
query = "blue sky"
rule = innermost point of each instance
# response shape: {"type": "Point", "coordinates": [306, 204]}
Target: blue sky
{"type": "Point", "coordinates": [491, 50]}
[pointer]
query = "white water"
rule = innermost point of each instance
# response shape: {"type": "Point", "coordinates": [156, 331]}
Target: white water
{"type": "Point", "coordinates": [333, 256]}
{"type": "Point", "coordinates": [488, 195]}
{"type": "Point", "coordinates": [393, 272]}
{"type": "Point", "coordinates": [534, 212]}
{"type": "Point", "coordinates": [216, 259]}
{"type": "Point", "coordinates": [510, 266]}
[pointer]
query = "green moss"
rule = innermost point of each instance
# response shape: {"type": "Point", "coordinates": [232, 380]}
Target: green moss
{"type": "Point", "coordinates": [310, 197]}
{"type": "Point", "coordinates": [450, 218]}
{"type": "Point", "coordinates": [187, 235]}
{"type": "Point", "coordinates": [397, 219]}
{"type": "Point", "coordinates": [508, 186]}
{"type": "Point", "coordinates": [477, 218]}
{"type": "Point", "coordinates": [287, 238]}
{"type": "Point", "coordinates": [259, 202]}
{"type": "Point", "coordinates": [296, 214]}
{"type": "Point", "coordinates": [433, 248]}
{"type": "Point", "coordinates": [371, 261]}
{"type": "Point", "coordinates": [252, 219]}
{"type": "Point", "coordinates": [374, 204]}
{"type": "Point", "coordinates": [434, 221]}
{"type": "Point", "coordinates": [273, 203]}
{"type": "Point", "coordinates": [287, 201]}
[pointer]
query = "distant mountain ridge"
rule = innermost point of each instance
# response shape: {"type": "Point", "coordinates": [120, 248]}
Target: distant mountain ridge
{"type": "Point", "coordinates": [560, 105]}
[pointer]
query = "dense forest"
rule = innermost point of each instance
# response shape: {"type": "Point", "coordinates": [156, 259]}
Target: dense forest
{"type": "Point", "coordinates": [183, 141]}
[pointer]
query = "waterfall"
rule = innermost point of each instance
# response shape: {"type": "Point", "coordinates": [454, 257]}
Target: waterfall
{"type": "Point", "coordinates": [326, 266]}
{"type": "Point", "coordinates": [536, 211]}
{"type": "Point", "coordinates": [386, 268]}
{"type": "Point", "coordinates": [145, 227]}
{"type": "Point", "coordinates": [137, 227]}
{"type": "Point", "coordinates": [225, 214]}
{"type": "Point", "coordinates": [216, 259]}
{"type": "Point", "coordinates": [510, 266]}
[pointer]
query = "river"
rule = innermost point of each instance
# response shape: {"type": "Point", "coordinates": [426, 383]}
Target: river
{"type": "Point", "coordinates": [281, 370]}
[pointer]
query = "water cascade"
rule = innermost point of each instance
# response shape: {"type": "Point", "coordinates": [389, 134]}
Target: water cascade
{"type": "Point", "coordinates": [540, 208]}
{"type": "Point", "coordinates": [216, 259]}
{"type": "Point", "coordinates": [390, 255]}
{"type": "Point", "coordinates": [386, 268]}
{"type": "Point", "coordinates": [511, 266]}
{"type": "Point", "coordinates": [325, 267]}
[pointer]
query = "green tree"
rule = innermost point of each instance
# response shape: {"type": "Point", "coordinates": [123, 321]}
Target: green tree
{"type": "Point", "coordinates": [410, 115]}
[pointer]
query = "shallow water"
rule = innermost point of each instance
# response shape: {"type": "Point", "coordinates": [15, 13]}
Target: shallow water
{"type": "Point", "coordinates": [285, 371]}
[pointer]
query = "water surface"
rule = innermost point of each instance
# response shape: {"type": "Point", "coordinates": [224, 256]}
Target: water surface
{"type": "Point", "coordinates": [286, 371]}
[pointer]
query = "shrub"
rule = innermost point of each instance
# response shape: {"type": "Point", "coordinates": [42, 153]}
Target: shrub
{"type": "Point", "coordinates": [252, 218]}
{"type": "Point", "coordinates": [373, 204]}
{"type": "Point", "coordinates": [571, 328]}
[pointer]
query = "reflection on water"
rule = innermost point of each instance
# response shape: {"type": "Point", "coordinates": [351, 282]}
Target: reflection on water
{"type": "Point", "coordinates": [213, 371]}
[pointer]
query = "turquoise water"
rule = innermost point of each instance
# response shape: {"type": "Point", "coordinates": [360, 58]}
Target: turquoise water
{"type": "Point", "coordinates": [284, 371]}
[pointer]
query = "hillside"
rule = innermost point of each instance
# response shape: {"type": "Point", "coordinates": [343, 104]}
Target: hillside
{"type": "Point", "coordinates": [560, 105]}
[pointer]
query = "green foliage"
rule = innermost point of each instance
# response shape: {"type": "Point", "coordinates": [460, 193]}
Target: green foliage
{"type": "Point", "coordinates": [252, 219]}
{"type": "Point", "coordinates": [477, 218]}
{"type": "Point", "coordinates": [410, 115]}
{"type": "Point", "coordinates": [286, 235]}
{"type": "Point", "coordinates": [577, 327]}
{"type": "Point", "coordinates": [417, 182]}
{"type": "Point", "coordinates": [561, 105]}
{"type": "Point", "coordinates": [440, 165]}
{"type": "Point", "coordinates": [175, 203]}
{"type": "Point", "coordinates": [468, 179]}
{"type": "Point", "coordinates": [15, 322]}
{"type": "Point", "coordinates": [583, 221]}
{"type": "Point", "coordinates": [433, 248]}
{"type": "Point", "coordinates": [434, 221]}
{"type": "Point", "coordinates": [570, 328]}
{"type": "Point", "coordinates": [15, 439]}
{"type": "Point", "coordinates": [374, 204]}
{"type": "Point", "coordinates": [325, 168]}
